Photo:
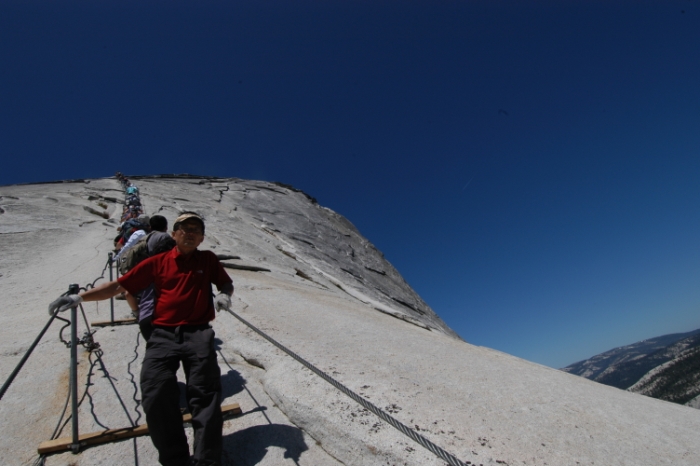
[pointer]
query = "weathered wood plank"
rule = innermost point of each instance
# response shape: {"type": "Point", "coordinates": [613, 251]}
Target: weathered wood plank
{"type": "Point", "coordinates": [111, 435]}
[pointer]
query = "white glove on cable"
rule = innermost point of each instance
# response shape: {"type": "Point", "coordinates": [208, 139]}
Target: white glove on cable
{"type": "Point", "coordinates": [222, 301]}
{"type": "Point", "coordinates": [64, 303]}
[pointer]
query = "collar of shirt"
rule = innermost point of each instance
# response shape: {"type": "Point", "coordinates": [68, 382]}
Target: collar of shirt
{"type": "Point", "coordinates": [178, 256]}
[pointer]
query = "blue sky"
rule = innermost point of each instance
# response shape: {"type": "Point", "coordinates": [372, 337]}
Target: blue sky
{"type": "Point", "coordinates": [531, 168]}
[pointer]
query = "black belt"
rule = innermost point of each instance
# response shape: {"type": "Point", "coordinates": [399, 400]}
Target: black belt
{"type": "Point", "coordinates": [177, 330]}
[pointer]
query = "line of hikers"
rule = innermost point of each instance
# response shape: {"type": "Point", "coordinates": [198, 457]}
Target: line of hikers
{"type": "Point", "coordinates": [132, 200]}
{"type": "Point", "coordinates": [139, 238]}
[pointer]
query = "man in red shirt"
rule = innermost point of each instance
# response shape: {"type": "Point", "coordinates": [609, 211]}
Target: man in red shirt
{"type": "Point", "coordinates": [181, 333]}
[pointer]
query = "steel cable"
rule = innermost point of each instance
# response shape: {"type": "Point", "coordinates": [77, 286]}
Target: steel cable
{"type": "Point", "coordinates": [88, 384]}
{"type": "Point", "coordinates": [404, 429]}
{"type": "Point", "coordinates": [133, 379]}
{"type": "Point", "coordinates": [134, 397]}
{"type": "Point", "coordinates": [80, 402]}
{"type": "Point", "coordinates": [102, 275]}
{"type": "Point", "coordinates": [99, 354]}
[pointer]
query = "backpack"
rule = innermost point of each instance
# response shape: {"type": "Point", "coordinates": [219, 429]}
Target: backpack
{"type": "Point", "coordinates": [130, 226]}
{"type": "Point", "coordinates": [134, 255]}
{"type": "Point", "coordinates": [133, 200]}
{"type": "Point", "coordinates": [139, 251]}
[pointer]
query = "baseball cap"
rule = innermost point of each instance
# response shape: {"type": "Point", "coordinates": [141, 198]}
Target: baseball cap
{"type": "Point", "coordinates": [187, 216]}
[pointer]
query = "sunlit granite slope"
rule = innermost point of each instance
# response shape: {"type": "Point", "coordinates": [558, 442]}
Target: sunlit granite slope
{"type": "Point", "coordinates": [286, 229]}
{"type": "Point", "coordinates": [328, 295]}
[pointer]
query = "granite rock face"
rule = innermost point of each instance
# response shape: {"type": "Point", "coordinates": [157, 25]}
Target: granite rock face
{"type": "Point", "coordinates": [282, 227]}
{"type": "Point", "coordinates": [328, 295]}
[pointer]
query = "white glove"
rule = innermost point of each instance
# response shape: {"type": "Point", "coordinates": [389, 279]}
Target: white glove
{"type": "Point", "coordinates": [222, 301]}
{"type": "Point", "coordinates": [64, 303]}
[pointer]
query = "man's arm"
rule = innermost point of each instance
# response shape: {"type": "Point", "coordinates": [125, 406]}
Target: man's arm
{"type": "Point", "coordinates": [104, 291]}
{"type": "Point", "coordinates": [223, 282]}
{"type": "Point", "coordinates": [227, 288]}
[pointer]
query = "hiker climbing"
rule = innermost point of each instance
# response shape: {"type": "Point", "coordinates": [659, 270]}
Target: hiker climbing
{"type": "Point", "coordinates": [131, 232]}
{"type": "Point", "coordinates": [156, 242]}
{"type": "Point", "coordinates": [182, 280]}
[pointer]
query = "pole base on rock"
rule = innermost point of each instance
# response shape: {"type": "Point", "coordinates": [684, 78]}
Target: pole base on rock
{"type": "Point", "coordinates": [63, 444]}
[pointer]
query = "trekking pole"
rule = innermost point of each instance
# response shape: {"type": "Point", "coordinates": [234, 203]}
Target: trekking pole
{"type": "Point", "coordinates": [111, 300]}
{"type": "Point", "coordinates": [75, 446]}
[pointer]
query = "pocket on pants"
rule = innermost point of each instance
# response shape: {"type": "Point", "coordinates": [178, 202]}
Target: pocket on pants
{"type": "Point", "coordinates": [203, 342]}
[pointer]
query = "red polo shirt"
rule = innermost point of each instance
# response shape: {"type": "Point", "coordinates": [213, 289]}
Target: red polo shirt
{"type": "Point", "coordinates": [182, 284]}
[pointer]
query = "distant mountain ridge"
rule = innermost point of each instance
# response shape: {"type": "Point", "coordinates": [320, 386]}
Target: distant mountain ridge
{"type": "Point", "coordinates": [665, 367]}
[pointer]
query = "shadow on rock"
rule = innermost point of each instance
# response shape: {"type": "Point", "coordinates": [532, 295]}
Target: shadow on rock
{"type": "Point", "coordinates": [249, 446]}
{"type": "Point", "coordinates": [232, 382]}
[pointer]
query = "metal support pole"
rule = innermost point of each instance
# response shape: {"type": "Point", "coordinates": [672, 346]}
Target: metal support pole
{"type": "Point", "coordinates": [111, 300]}
{"type": "Point", "coordinates": [75, 446]}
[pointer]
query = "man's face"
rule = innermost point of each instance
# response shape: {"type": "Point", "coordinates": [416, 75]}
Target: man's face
{"type": "Point", "coordinates": [188, 236]}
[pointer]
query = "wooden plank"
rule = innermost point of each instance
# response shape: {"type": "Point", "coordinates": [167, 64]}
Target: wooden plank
{"type": "Point", "coordinates": [112, 435]}
{"type": "Point", "coordinates": [95, 438]}
{"type": "Point", "coordinates": [105, 323]}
